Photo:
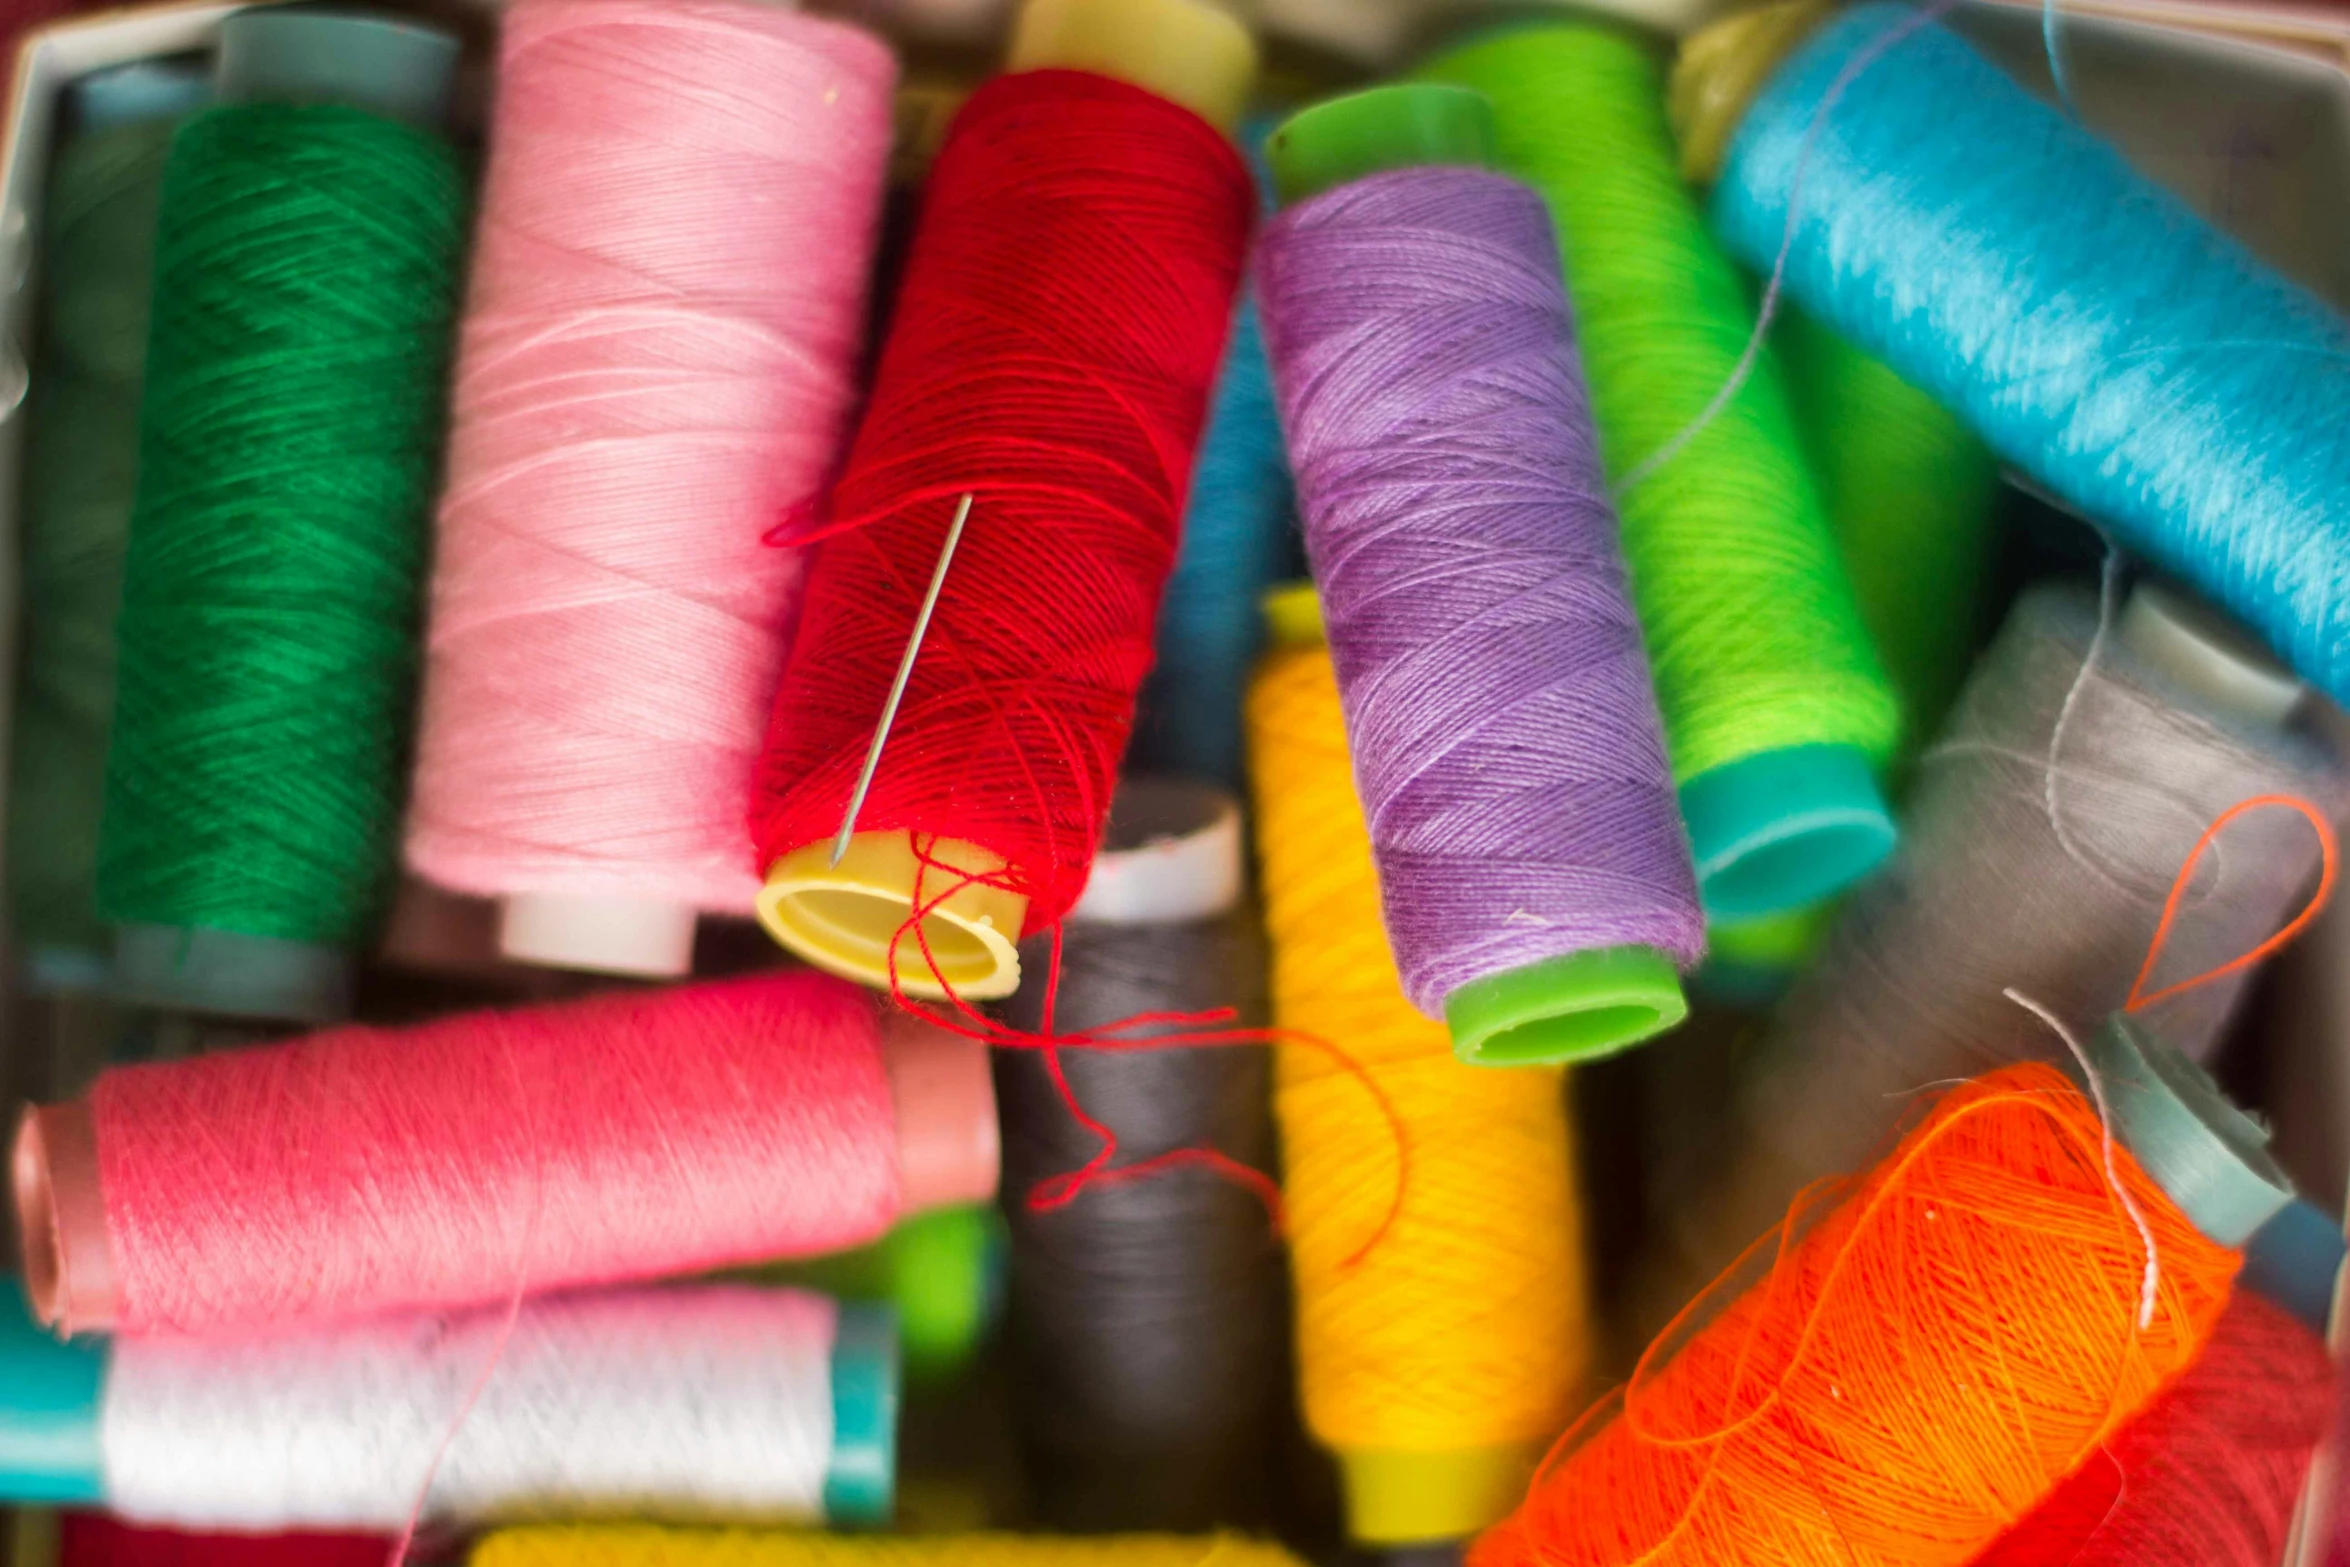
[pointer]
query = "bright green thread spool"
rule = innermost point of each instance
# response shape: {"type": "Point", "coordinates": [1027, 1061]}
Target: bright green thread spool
{"type": "Point", "coordinates": [306, 272]}
{"type": "Point", "coordinates": [81, 455]}
{"type": "Point", "coordinates": [1910, 489]}
{"type": "Point", "coordinates": [1776, 710]}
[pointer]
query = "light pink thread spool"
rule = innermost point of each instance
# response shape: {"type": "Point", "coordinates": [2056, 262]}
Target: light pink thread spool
{"type": "Point", "coordinates": [659, 359]}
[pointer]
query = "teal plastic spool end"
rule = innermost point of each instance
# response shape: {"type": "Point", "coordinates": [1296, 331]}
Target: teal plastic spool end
{"type": "Point", "coordinates": [860, 1482]}
{"type": "Point", "coordinates": [49, 1401]}
{"type": "Point", "coordinates": [2210, 1157]}
{"type": "Point", "coordinates": [290, 54]}
{"type": "Point", "coordinates": [1783, 829]}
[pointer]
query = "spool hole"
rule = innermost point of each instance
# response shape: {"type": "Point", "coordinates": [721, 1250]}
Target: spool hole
{"type": "Point", "coordinates": [868, 923]}
{"type": "Point", "coordinates": [1571, 1036]}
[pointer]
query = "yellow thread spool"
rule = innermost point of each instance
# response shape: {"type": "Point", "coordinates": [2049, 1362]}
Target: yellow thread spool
{"type": "Point", "coordinates": [845, 918]}
{"type": "Point", "coordinates": [638, 1545]}
{"type": "Point", "coordinates": [1440, 1364]}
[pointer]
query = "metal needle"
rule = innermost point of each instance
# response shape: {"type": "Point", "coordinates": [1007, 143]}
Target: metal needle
{"type": "Point", "coordinates": [897, 688]}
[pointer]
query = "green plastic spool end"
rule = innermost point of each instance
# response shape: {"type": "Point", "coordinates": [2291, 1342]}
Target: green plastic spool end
{"type": "Point", "coordinates": [1407, 126]}
{"type": "Point", "coordinates": [1573, 1008]}
{"type": "Point", "coordinates": [233, 975]}
{"type": "Point", "coordinates": [2208, 1155]}
{"type": "Point", "coordinates": [287, 54]}
{"type": "Point", "coordinates": [1777, 831]}
{"type": "Point", "coordinates": [860, 1482]}
{"type": "Point", "coordinates": [49, 1398]}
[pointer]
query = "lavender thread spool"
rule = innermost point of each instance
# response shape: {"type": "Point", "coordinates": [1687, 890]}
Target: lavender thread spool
{"type": "Point", "coordinates": [1536, 880]}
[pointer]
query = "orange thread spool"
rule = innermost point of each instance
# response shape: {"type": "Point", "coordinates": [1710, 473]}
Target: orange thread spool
{"type": "Point", "coordinates": [1927, 1359]}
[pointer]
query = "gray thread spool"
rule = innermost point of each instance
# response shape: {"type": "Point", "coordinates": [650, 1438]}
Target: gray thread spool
{"type": "Point", "coordinates": [1147, 1330]}
{"type": "Point", "coordinates": [2167, 730]}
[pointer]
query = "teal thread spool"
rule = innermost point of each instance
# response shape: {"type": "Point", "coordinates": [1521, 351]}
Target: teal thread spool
{"type": "Point", "coordinates": [306, 271]}
{"type": "Point", "coordinates": [97, 252]}
{"type": "Point", "coordinates": [1776, 711]}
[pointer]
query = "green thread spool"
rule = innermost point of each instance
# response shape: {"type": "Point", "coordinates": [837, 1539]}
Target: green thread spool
{"type": "Point", "coordinates": [1910, 490]}
{"type": "Point", "coordinates": [305, 283]}
{"type": "Point", "coordinates": [97, 254]}
{"type": "Point", "coordinates": [1776, 710]}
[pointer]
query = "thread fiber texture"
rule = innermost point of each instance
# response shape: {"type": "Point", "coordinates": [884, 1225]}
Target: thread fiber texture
{"type": "Point", "coordinates": [81, 466]}
{"type": "Point", "coordinates": [1986, 893]}
{"type": "Point", "coordinates": [1751, 624]}
{"type": "Point", "coordinates": [1910, 490]}
{"type": "Point", "coordinates": [1507, 744]}
{"type": "Point", "coordinates": [95, 1540]}
{"type": "Point", "coordinates": [660, 356]}
{"type": "Point", "coordinates": [1239, 540]}
{"type": "Point", "coordinates": [1922, 1366]}
{"type": "Point", "coordinates": [689, 1403]}
{"type": "Point", "coordinates": [305, 272]}
{"type": "Point", "coordinates": [1052, 351]}
{"type": "Point", "coordinates": [2099, 334]}
{"type": "Point", "coordinates": [627, 1546]}
{"type": "Point", "coordinates": [2209, 1474]}
{"type": "Point", "coordinates": [1467, 1324]}
{"type": "Point", "coordinates": [1147, 1326]}
{"type": "Point", "coordinates": [625, 1136]}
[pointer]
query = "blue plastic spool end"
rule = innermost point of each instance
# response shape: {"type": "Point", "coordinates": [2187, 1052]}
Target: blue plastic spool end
{"type": "Point", "coordinates": [1784, 829]}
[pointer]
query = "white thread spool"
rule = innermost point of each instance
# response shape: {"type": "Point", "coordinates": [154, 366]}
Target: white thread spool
{"type": "Point", "coordinates": [691, 1403]}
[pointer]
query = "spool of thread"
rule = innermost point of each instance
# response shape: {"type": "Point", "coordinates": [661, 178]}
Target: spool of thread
{"type": "Point", "coordinates": [660, 354]}
{"type": "Point", "coordinates": [1910, 490]}
{"type": "Point", "coordinates": [940, 1272]}
{"type": "Point", "coordinates": [1776, 712]}
{"type": "Point", "coordinates": [1442, 1315]}
{"type": "Point", "coordinates": [2208, 1475]}
{"type": "Point", "coordinates": [1537, 889]}
{"type": "Point", "coordinates": [2098, 333]}
{"type": "Point", "coordinates": [1050, 358]}
{"type": "Point", "coordinates": [1239, 534]}
{"type": "Point", "coordinates": [1386, 33]}
{"type": "Point", "coordinates": [1935, 1347]}
{"type": "Point", "coordinates": [625, 1136]}
{"type": "Point", "coordinates": [2138, 752]}
{"type": "Point", "coordinates": [97, 255]}
{"type": "Point", "coordinates": [306, 263]}
{"type": "Point", "coordinates": [716, 1401]}
{"type": "Point", "coordinates": [1147, 1323]}
{"type": "Point", "coordinates": [95, 1540]}
{"type": "Point", "coordinates": [624, 1545]}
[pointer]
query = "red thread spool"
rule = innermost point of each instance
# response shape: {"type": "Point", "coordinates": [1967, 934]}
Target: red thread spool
{"type": "Point", "coordinates": [626, 1136]}
{"type": "Point", "coordinates": [1054, 344]}
{"type": "Point", "coordinates": [95, 1540]}
{"type": "Point", "coordinates": [2209, 1474]}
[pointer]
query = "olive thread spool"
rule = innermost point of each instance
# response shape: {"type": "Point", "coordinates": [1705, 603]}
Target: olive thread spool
{"type": "Point", "coordinates": [276, 550]}
{"type": "Point", "coordinates": [97, 252]}
{"type": "Point", "coordinates": [1536, 880]}
{"type": "Point", "coordinates": [1777, 713]}
{"type": "Point", "coordinates": [1145, 1321]}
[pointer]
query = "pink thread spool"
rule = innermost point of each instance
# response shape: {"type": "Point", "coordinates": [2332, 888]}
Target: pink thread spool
{"type": "Point", "coordinates": [659, 360]}
{"type": "Point", "coordinates": [627, 1136]}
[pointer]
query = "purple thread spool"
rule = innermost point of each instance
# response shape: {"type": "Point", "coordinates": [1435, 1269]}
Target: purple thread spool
{"type": "Point", "coordinates": [1536, 879]}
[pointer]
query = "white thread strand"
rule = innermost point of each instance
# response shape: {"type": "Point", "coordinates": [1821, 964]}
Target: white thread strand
{"type": "Point", "coordinates": [708, 1402]}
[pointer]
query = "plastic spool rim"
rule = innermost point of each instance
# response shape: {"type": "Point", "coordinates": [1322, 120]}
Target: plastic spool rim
{"type": "Point", "coordinates": [2209, 1156]}
{"type": "Point", "coordinates": [1170, 856]}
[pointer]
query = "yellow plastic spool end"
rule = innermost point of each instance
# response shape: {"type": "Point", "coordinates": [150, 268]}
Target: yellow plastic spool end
{"type": "Point", "coordinates": [1293, 615]}
{"type": "Point", "coordinates": [1407, 1498]}
{"type": "Point", "coordinates": [850, 919]}
{"type": "Point", "coordinates": [1721, 68]}
{"type": "Point", "coordinates": [1185, 51]}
